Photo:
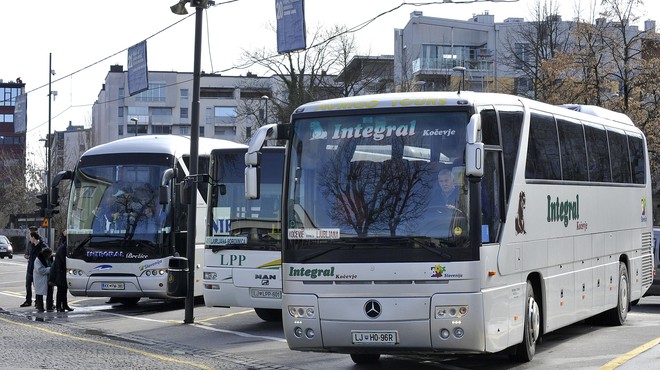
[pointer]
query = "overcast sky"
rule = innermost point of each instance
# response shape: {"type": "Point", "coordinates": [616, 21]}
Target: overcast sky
{"type": "Point", "coordinates": [87, 37]}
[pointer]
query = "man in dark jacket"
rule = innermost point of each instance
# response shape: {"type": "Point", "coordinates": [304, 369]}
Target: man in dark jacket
{"type": "Point", "coordinates": [31, 252]}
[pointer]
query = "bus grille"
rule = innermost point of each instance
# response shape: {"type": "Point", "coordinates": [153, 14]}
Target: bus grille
{"type": "Point", "coordinates": [647, 261]}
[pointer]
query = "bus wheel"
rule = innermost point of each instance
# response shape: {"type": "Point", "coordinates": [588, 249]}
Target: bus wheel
{"type": "Point", "coordinates": [617, 315]}
{"type": "Point", "coordinates": [269, 315]}
{"type": "Point", "coordinates": [365, 358]}
{"type": "Point", "coordinates": [524, 352]}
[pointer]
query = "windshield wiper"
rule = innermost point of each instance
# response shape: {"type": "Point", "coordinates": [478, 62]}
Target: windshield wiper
{"type": "Point", "coordinates": [341, 245]}
{"type": "Point", "coordinates": [434, 248]}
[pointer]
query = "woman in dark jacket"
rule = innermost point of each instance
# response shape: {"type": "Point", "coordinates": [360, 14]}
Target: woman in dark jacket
{"type": "Point", "coordinates": [58, 276]}
{"type": "Point", "coordinates": [41, 271]}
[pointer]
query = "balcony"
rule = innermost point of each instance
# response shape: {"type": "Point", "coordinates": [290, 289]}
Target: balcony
{"type": "Point", "coordinates": [445, 65]}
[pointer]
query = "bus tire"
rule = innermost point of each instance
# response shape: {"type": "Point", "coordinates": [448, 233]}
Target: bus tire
{"type": "Point", "coordinates": [269, 315]}
{"type": "Point", "coordinates": [365, 358]}
{"type": "Point", "coordinates": [617, 315]}
{"type": "Point", "coordinates": [524, 352]}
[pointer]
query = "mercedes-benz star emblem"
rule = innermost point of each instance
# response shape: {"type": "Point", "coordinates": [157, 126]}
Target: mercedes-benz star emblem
{"type": "Point", "coordinates": [372, 309]}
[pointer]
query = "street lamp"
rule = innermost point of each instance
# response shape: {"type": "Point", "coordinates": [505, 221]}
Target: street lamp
{"type": "Point", "coordinates": [179, 8]}
{"type": "Point", "coordinates": [51, 93]}
{"type": "Point", "coordinates": [462, 70]}
{"type": "Point", "coordinates": [265, 99]}
{"type": "Point", "coordinates": [135, 120]}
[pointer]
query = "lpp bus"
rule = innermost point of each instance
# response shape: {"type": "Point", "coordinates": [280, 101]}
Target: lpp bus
{"type": "Point", "coordinates": [125, 219]}
{"type": "Point", "coordinates": [242, 250]}
{"type": "Point", "coordinates": [457, 222]}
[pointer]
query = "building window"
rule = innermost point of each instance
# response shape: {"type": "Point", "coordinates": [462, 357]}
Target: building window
{"type": "Point", "coordinates": [184, 130]}
{"type": "Point", "coordinates": [183, 112]}
{"type": "Point", "coordinates": [161, 129]}
{"type": "Point", "coordinates": [120, 111]}
{"type": "Point", "coordinates": [8, 96]}
{"type": "Point", "coordinates": [219, 130]}
{"type": "Point", "coordinates": [120, 130]}
{"type": "Point", "coordinates": [156, 93]}
{"type": "Point", "coordinates": [224, 116]}
{"type": "Point", "coordinates": [7, 117]}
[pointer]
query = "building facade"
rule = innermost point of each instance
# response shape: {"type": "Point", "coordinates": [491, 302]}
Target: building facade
{"type": "Point", "coordinates": [230, 107]}
{"type": "Point", "coordinates": [479, 54]}
{"type": "Point", "coordinates": [12, 131]}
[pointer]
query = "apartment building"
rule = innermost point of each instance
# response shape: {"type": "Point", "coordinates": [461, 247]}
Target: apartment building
{"type": "Point", "coordinates": [231, 107]}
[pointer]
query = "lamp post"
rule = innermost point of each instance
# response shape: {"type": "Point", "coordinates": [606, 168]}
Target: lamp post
{"type": "Point", "coordinates": [135, 120]}
{"type": "Point", "coordinates": [180, 9]}
{"type": "Point", "coordinates": [51, 93]}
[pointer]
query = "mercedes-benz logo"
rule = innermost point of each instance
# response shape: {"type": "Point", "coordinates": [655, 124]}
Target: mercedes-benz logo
{"type": "Point", "coordinates": [372, 308]}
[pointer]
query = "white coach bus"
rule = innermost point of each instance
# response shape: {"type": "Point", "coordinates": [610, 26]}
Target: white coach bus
{"type": "Point", "coordinates": [457, 222]}
{"type": "Point", "coordinates": [242, 250]}
{"type": "Point", "coordinates": [121, 232]}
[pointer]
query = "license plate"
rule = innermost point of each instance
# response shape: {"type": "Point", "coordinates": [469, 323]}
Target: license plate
{"type": "Point", "coordinates": [112, 286]}
{"type": "Point", "coordinates": [266, 293]}
{"type": "Point", "coordinates": [375, 337]}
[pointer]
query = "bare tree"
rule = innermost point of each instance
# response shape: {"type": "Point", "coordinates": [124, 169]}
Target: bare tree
{"type": "Point", "coordinates": [22, 181]}
{"type": "Point", "coordinates": [303, 74]}
{"type": "Point", "coordinates": [623, 44]}
{"type": "Point", "coordinates": [535, 43]}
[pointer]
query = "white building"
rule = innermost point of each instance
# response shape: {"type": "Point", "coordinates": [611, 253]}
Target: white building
{"type": "Point", "coordinates": [230, 106]}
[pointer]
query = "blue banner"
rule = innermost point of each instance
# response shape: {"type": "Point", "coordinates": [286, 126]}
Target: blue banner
{"type": "Point", "coordinates": [138, 73]}
{"type": "Point", "coordinates": [290, 25]}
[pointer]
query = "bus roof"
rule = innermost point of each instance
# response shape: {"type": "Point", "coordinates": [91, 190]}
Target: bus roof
{"type": "Point", "coordinates": [464, 98]}
{"type": "Point", "coordinates": [168, 144]}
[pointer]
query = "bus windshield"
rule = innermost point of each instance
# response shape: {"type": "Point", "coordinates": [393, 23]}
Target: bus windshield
{"type": "Point", "coordinates": [378, 188]}
{"type": "Point", "coordinates": [114, 214]}
{"type": "Point", "coordinates": [237, 222]}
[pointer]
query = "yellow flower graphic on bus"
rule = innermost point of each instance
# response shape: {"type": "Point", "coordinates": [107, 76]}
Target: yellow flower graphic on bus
{"type": "Point", "coordinates": [438, 270]}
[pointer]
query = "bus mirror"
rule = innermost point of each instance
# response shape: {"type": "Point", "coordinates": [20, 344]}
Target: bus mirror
{"type": "Point", "coordinates": [164, 195]}
{"type": "Point", "coordinates": [474, 159]}
{"type": "Point", "coordinates": [184, 192]}
{"type": "Point", "coordinates": [474, 149]}
{"type": "Point", "coordinates": [252, 182]}
{"type": "Point", "coordinates": [253, 159]}
{"type": "Point", "coordinates": [473, 134]}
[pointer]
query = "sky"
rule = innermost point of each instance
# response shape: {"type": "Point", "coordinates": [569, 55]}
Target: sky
{"type": "Point", "coordinates": [86, 37]}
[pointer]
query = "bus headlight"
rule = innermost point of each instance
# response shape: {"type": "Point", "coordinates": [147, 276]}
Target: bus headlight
{"type": "Point", "coordinates": [75, 272]}
{"type": "Point", "coordinates": [302, 312]}
{"type": "Point", "coordinates": [208, 275]}
{"type": "Point", "coordinates": [446, 312]}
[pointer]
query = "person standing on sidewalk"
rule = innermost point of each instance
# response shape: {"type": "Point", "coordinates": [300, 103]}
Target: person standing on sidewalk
{"type": "Point", "coordinates": [30, 255]}
{"type": "Point", "coordinates": [41, 270]}
{"type": "Point", "coordinates": [58, 276]}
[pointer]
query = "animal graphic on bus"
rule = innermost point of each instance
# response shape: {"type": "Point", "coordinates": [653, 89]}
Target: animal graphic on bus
{"type": "Point", "coordinates": [520, 217]}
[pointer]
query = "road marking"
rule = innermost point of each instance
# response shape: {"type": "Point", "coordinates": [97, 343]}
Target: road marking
{"type": "Point", "coordinates": [200, 326]}
{"type": "Point", "coordinates": [223, 316]}
{"type": "Point", "coordinates": [627, 356]}
{"type": "Point", "coordinates": [144, 353]}
{"type": "Point", "coordinates": [240, 334]}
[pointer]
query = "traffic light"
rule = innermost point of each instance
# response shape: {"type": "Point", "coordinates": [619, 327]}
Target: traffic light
{"type": "Point", "coordinates": [54, 198]}
{"type": "Point", "coordinates": [43, 201]}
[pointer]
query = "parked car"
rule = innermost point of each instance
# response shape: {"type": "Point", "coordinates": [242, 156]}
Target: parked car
{"type": "Point", "coordinates": [655, 288]}
{"type": "Point", "coordinates": [6, 250]}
